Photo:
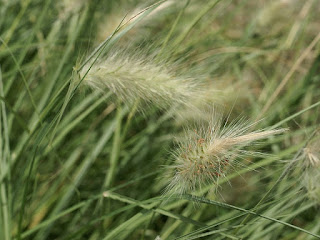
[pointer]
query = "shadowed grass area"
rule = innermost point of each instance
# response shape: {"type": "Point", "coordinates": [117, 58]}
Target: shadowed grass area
{"type": "Point", "coordinates": [105, 105]}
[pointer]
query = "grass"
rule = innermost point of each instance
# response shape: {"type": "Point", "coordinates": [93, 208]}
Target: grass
{"type": "Point", "coordinates": [105, 104]}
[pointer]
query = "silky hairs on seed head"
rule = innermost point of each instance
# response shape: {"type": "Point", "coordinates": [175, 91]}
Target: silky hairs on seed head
{"type": "Point", "coordinates": [208, 153]}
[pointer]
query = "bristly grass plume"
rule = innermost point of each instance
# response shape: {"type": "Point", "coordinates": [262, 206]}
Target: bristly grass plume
{"type": "Point", "coordinates": [209, 152]}
{"type": "Point", "coordinates": [133, 77]}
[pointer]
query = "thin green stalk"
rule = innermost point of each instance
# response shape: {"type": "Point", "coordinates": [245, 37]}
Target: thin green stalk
{"type": "Point", "coordinates": [202, 13]}
{"type": "Point", "coordinates": [16, 21]}
{"type": "Point", "coordinates": [65, 58]}
{"type": "Point", "coordinates": [225, 205]}
{"type": "Point", "coordinates": [78, 177]}
{"type": "Point", "coordinates": [295, 115]}
{"type": "Point", "coordinates": [166, 40]}
{"type": "Point", "coordinates": [23, 79]}
{"type": "Point", "coordinates": [25, 194]}
{"type": "Point", "coordinates": [282, 176]}
{"type": "Point", "coordinates": [28, 44]}
{"type": "Point", "coordinates": [4, 163]}
{"type": "Point", "coordinates": [35, 122]}
{"type": "Point", "coordinates": [115, 152]}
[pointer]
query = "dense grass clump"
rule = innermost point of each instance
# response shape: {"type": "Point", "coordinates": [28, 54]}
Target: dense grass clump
{"type": "Point", "coordinates": [111, 124]}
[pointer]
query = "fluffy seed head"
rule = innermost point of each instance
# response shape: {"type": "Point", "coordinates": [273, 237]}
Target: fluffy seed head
{"type": "Point", "coordinates": [208, 153]}
{"type": "Point", "coordinates": [137, 77]}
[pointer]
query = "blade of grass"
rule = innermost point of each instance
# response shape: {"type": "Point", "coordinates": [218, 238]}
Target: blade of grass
{"type": "Point", "coordinates": [201, 14]}
{"type": "Point", "coordinates": [209, 227]}
{"type": "Point", "coordinates": [28, 44]}
{"type": "Point", "coordinates": [4, 163]}
{"type": "Point", "coordinates": [85, 203]}
{"type": "Point", "coordinates": [115, 152]}
{"type": "Point", "coordinates": [225, 205]}
{"type": "Point", "coordinates": [166, 40]}
{"type": "Point", "coordinates": [119, 197]}
{"type": "Point", "coordinates": [282, 176]}
{"type": "Point", "coordinates": [34, 122]}
{"type": "Point", "coordinates": [285, 80]}
{"type": "Point", "coordinates": [23, 78]}
{"type": "Point", "coordinates": [41, 135]}
{"type": "Point", "coordinates": [78, 177]}
{"type": "Point", "coordinates": [295, 115]}
{"type": "Point", "coordinates": [16, 21]}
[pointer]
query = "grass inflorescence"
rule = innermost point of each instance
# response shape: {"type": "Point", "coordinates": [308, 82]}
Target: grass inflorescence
{"type": "Point", "coordinates": [111, 123]}
{"type": "Point", "coordinates": [135, 77]}
{"type": "Point", "coordinates": [209, 152]}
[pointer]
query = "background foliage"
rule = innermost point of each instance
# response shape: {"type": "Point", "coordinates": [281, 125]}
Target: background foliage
{"type": "Point", "coordinates": [78, 164]}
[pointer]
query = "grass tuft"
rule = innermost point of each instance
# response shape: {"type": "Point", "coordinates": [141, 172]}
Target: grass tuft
{"type": "Point", "coordinates": [105, 105]}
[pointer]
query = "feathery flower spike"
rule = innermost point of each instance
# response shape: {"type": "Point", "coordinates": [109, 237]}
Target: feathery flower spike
{"type": "Point", "coordinates": [137, 77]}
{"type": "Point", "coordinates": [208, 153]}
